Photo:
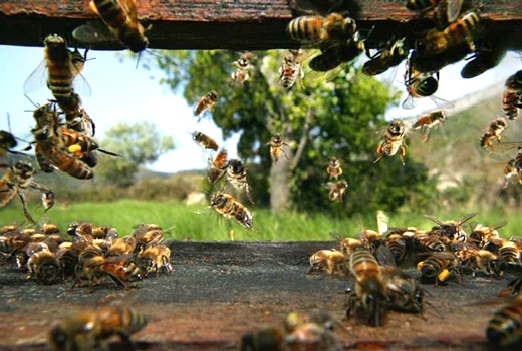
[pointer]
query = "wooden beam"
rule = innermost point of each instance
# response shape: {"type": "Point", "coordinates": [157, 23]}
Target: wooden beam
{"type": "Point", "coordinates": [218, 24]}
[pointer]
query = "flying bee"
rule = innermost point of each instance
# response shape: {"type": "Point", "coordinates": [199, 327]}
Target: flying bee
{"type": "Point", "coordinates": [291, 69]}
{"type": "Point", "coordinates": [155, 259]}
{"type": "Point", "coordinates": [426, 122]}
{"type": "Point", "coordinates": [205, 103]}
{"type": "Point", "coordinates": [88, 330]}
{"type": "Point", "coordinates": [60, 71]}
{"type": "Point", "coordinates": [510, 171]}
{"type": "Point", "coordinates": [494, 130]}
{"type": "Point", "coordinates": [276, 147]}
{"type": "Point", "coordinates": [368, 302]}
{"type": "Point", "coordinates": [48, 200]}
{"type": "Point", "coordinates": [334, 168]}
{"type": "Point", "coordinates": [44, 266]}
{"type": "Point", "coordinates": [460, 32]}
{"type": "Point", "coordinates": [237, 177]}
{"type": "Point", "coordinates": [331, 261]}
{"type": "Point", "coordinates": [511, 98]}
{"type": "Point", "coordinates": [121, 24]}
{"type": "Point", "coordinates": [205, 141]}
{"type": "Point", "coordinates": [16, 179]}
{"type": "Point", "coordinates": [243, 63]}
{"type": "Point", "coordinates": [452, 7]}
{"type": "Point", "coordinates": [337, 190]}
{"type": "Point", "coordinates": [451, 229]}
{"type": "Point", "coordinates": [7, 143]}
{"type": "Point", "coordinates": [403, 292]}
{"type": "Point", "coordinates": [389, 56]}
{"type": "Point", "coordinates": [438, 267]}
{"type": "Point", "coordinates": [393, 139]}
{"type": "Point", "coordinates": [228, 207]}
{"type": "Point", "coordinates": [218, 167]}
{"type": "Point", "coordinates": [504, 328]}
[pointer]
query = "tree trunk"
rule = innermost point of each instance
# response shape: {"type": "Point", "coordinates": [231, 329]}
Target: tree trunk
{"type": "Point", "coordinates": [279, 184]}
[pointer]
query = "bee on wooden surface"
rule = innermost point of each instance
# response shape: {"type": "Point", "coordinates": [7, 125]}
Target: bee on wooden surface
{"type": "Point", "coordinates": [391, 55]}
{"type": "Point", "coordinates": [155, 259]}
{"type": "Point", "coordinates": [44, 266]}
{"type": "Point", "coordinates": [122, 246]}
{"type": "Point", "coordinates": [218, 167]}
{"type": "Point", "coordinates": [478, 261]}
{"type": "Point", "coordinates": [276, 147]}
{"type": "Point", "coordinates": [331, 261]}
{"type": "Point", "coordinates": [59, 70]}
{"type": "Point", "coordinates": [16, 179]}
{"type": "Point", "coordinates": [244, 64]}
{"type": "Point", "coordinates": [264, 339]}
{"type": "Point", "coordinates": [89, 229]}
{"type": "Point", "coordinates": [393, 139]}
{"type": "Point", "coordinates": [321, 31]}
{"type": "Point", "coordinates": [228, 207]}
{"type": "Point", "coordinates": [120, 269]}
{"type": "Point", "coordinates": [428, 121]}
{"type": "Point", "coordinates": [509, 171]}
{"type": "Point", "coordinates": [147, 235]}
{"type": "Point", "coordinates": [460, 32]}
{"type": "Point", "coordinates": [205, 141]}
{"type": "Point", "coordinates": [291, 69]}
{"type": "Point", "coordinates": [451, 229]}
{"type": "Point", "coordinates": [480, 234]}
{"type": "Point", "coordinates": [508, 251]}
{"type": "Point", "coordinates": [236, 176]}
{"type": "Point", "coordinates": [334, 169]}
{"type": "Point", "coordinates": [88, 330]}
{"type": "Point", "coordinates": [504, 328]}
{"type": "Point", "coordinates": [205, 103]}
{"type": "Point", "coordinates": [438, 267]}
{"type": "Point", "coordinates": [121, 23]}
{"type": "Point", "coordinates": [452, 7]}
{"type": "Point", "coordinates": [368, 302]}
{"type": "Point", "coordinates": [494, 130]}
{"type": "Point", "coordinates": [403, 292]}
{"type": "Point", "coordinates": [396, 246]}
{"type": "Point", "coordinates": [348, 245]}
{"type": "Point", "coordinates": [337, 190]}
{"type": "Point", "coordinates": [511, 98]}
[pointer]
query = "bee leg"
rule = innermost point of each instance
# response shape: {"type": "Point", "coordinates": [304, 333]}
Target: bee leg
{"type": "Point", "coordinates": [286, 156]}
{"type": "Point", "coordinates": [403, 153]}
{"type": "Point", "coordinates": [247, 193]}
{"type": "Point", "coordinates": [24, 207]}
{"type": "Point", "coordinates": [379, 154]}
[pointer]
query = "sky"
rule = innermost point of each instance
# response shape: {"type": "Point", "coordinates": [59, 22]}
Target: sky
{"type": "Point", "coordinates": [123, 93]}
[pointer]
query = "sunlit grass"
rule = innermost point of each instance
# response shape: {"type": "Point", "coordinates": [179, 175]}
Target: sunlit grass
{"type": "Point", "coordinates": [202, 223]}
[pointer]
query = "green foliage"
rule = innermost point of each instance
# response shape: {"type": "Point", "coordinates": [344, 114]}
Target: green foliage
{"type": "Point", "coordinates": [338, 117]}
{"type": "Point", "coordinates": [138, 144]}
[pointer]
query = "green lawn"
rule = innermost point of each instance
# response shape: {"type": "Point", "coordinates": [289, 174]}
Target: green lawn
{"type": "Point", "coordinates": [202, 223]}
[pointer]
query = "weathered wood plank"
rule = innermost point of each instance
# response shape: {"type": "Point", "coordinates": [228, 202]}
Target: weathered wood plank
{"type": "Point", "coordinates": [210, 24]}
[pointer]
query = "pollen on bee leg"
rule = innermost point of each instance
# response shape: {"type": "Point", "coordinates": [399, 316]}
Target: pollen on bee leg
{"type": "Point", "coordinates": [419, 265]}
{"type": "Point", "coordinates": [75, 149]}
{"type": "Point", "coordinates": [444, 275]}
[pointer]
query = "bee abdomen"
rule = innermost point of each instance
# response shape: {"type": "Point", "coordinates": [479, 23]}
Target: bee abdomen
{"type": "Point", "coordinates": [505, 327]}
{"type": "Point", "coordinates": [111, 13]}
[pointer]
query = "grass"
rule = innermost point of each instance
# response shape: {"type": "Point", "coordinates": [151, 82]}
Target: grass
{"type": "Point", "coordinates": [201, 223]}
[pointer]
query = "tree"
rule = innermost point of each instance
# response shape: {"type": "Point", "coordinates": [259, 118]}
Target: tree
{"type": "Point", "coordinates": [326, 118]}
{"type": "Point", "coordinates": [138, 144]}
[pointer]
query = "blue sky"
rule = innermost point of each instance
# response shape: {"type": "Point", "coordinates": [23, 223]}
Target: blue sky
{"type": "Point", "coordinates": [122, 93]}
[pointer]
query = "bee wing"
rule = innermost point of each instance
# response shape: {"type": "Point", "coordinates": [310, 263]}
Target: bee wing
{"type": "Point", "coordinates": [505, 146]}
{"type": "Point", "coordinates": [433, 219]}
{"type": "Point", "coordinates": [93, 32]}
{"type": "Point", "coordinates": [441, 103]}
{"type": "Point", "coordinates": [409, 103]}
{"type": "Point", "coordinates": [453, 9]}
{"type": "Point", "coordinates": [81, 86]}
{"type": "Point", "coordinates": [382, 222]}
{"type": "Point", "coordinates": [37, 78]}
{"type": "Point", "coordinates": [467, 217]}
{"type": "Point", "coordinates": [336, 236]}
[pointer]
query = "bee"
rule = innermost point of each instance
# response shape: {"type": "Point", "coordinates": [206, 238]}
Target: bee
{"type": "Point", "coordinates": [333, 56]}
{"type": "Point", "coordinates": [45, 267]}
{"type": "Point", "coordinates": [453, 7]}
{"type": "Point", "coordinates": [88, 330]}
{"type": "Point", "coordinates": [348, 245]}
{"type": "Point", "coordinates": [371, 240]}
{"type": "Point", "coordinates": [84, 229]}
{"type": "Point", "coordinates": [205, 103]}
{"type": "Point", "coordinates": [276, 147]}
{"type": "Point", "coordinates": [509, 251]}
{"type": "Point", "coordinates": [60, 70]}
{"type": "Point", "coordinates": [243, 63]}
{"type": "Point", "coordinates": [147, 234]}
{"type": "Point", "coordinates": [334, 169]}
{"type": "Point", "coordinates": [504, 328]}
{"type": "Point", "coordinates": [236, 176]}
{"type": "Point", "coordinates": [205, 141]}
{"type": "Point", "coordinates": [16, 179]}
{"type": "Point", "coordinates": [322, 31]}
{"type": "Point", "coordinates": [510, 171]}
{"type": "Point", "coordinates": [290, 69]}
{"type": "Point", "coordinates": [426, 122]}
{"type": "Point", "coordinates": [483, 60]}
{"type": "Point", "coordinates": [389, 56]}
{"type": "Point", "coordinates": [480, 234]}
{"type": "Point", "coordinates": [518, 164]}
{"type": "Point", "coordinates": [218, 167]}
{"type": "Point", "coordinates": [122, 24]}
{"type": "Point", "coordinates": [120, 269]}
{"type": "Point", "coordinates": [396, 245]}
{"type": "Point", "coordinates": [403, 292]}
{"type": "Point", "coordinates": [122, 246]}
{"type": "Point", "coordinates": [331, 261]}
{"type": "Point", "coordinates": [7, 142]}
{"type": "Point", "coordinates": [438, 267]}
{"type": "Point", "coordinates": [421, 85]}
{"type": "Point", "coordinates": [337, 190]}
{"type": "Point", "coordinates": [368, 301]}
{"type": "Point", "coordinates": [155, 259]}
{"type": "Point", "coordinates": [460, 32]}
{"type": "Point", "coordinates": [228, 207]}
{"type": "Point", "coordinates": [80, 144]}
{"type": "Point", "coordinates": [48, 200]}
{"type": "Point", "coordinates": [76, 117]}
{"type": "Point", "coordinates": [511, 98]}
{"type": "Point", "coordinates": [478, 261]}
{"type": "Point", "coordinates": [451, 229]}
{"type": "Point", "coordinates": [393, 139]}
{"type": "Point", "coordinates": [267, 338]}
{"type": "Point", "coordinates": [494, 130]}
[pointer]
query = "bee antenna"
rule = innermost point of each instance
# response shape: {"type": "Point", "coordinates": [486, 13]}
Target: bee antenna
{"type": "Point", "coordinates": [32, 102]}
